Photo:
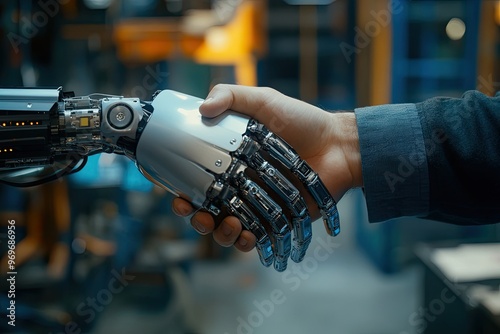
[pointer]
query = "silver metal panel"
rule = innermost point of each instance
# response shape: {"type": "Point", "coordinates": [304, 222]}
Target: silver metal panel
{"type": "Point", "coordinates": [180, 176]}
{"type": "Point", "coordinates": [24, 99]}
{"type": "Point", "coordinates": [177, 126]}
{"type": "Point", "coordinates": [27, 94]}
{"type": "Point", "coordinates": [183, 151]}
{"type": "Point", "coordinates": [183, 112]}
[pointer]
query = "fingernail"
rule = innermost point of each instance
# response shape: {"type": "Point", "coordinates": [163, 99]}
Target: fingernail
{"type": "Point", "coordinates": [208, 100]}
{"type": "Point", "coordinates": [227, 230]}
{"type": "Point", "coordinates": [177, 212]}
{"type": "Point", "coordinates": [199, 227]}
{"type": "Point", "coordinates": [243, 242]}
{"type": "Point", "coordinates": [181, 211]}
{"type": "Point", "coordinates": [184, 211]}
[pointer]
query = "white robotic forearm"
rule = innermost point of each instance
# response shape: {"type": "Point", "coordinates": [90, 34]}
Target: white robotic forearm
{"type": "Point", "coordinates": [199, 159]}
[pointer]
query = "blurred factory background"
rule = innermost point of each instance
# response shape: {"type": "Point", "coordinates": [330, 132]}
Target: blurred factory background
{"type": "Point", "coordinates": [101, 252]}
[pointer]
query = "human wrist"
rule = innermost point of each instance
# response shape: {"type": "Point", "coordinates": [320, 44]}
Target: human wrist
{"type": "Point", "coordinates": [349, 142]}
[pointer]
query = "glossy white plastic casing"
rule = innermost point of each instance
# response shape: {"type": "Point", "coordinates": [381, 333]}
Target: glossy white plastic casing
{"type": "Point", "coordinates": [182, 151]}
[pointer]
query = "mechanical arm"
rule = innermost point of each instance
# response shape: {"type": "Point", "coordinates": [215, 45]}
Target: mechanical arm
{"type": "Point", "coordinates": [48, 133]}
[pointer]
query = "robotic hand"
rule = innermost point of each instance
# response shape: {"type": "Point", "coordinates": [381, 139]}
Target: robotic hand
{"type": "Point", "coordinates": [47, 133]}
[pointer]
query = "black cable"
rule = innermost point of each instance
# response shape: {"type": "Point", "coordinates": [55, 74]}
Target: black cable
{"type": "Point", "coordinates": [83, 162]}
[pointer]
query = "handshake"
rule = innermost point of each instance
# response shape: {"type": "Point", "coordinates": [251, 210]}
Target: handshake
{"type": "Point", "coordinates": [290, 166]}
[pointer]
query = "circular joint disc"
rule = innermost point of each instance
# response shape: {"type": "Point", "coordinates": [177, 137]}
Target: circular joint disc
{"type": "Point", "coordinates": [120, 116]}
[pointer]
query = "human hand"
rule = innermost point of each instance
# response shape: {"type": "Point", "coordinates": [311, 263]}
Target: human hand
{"type": "Point", "coordinates": [327, 141]}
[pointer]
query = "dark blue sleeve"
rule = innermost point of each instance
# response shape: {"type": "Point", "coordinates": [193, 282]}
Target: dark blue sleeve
{"type": "Point", "coordinates": [394, 164]}
{"type": "Point", "coordinates": [463, 150]}
{"type": "Point", "coordinates": [439, 159]}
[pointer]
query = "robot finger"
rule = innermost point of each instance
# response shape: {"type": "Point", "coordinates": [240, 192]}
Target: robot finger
{"type": "Point", "coordinates": [301, 221]}
{"type": "Point", "coordinates": [272, 213]}
{"type": "Point", "coordinates": [249, 221]}
{"type": "Point", "coordinates": [325, 201]}
{"type": "Point", "coordinates": [286, 155]}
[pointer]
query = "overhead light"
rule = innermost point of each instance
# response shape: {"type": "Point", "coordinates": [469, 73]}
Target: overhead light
{"type": "Point", "coordinates": [455, 29]}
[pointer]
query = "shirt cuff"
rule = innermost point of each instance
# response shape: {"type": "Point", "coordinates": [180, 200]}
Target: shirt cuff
{"type": "Point", "coordinates": [394, 161]}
